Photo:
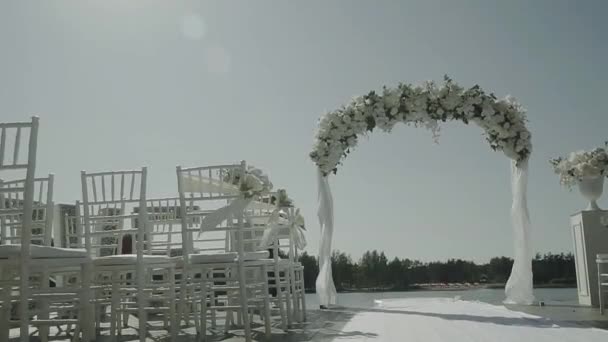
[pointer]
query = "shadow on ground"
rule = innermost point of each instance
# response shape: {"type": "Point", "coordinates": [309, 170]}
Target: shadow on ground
{"type": "Point", "coordinates": [328, 325]}
{"type": "Point", "coordinates": [321, 326]}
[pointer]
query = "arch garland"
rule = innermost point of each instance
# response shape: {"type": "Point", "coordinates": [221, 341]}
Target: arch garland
{"type": "Point", "coordinates": [504, 125]}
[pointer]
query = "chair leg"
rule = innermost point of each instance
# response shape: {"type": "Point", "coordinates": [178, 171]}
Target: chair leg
{"type": "Point", "coordinates": [288, 299]}
{"type": "Point", "coordinates": [300, 294]}
{"type": "Point", "coordinates": [43, 331]}
{"type": "Point", "coordinates": [279, 294]}
{"type": "Point", "coordinates": [243, 299]}
{"type": "Point", "coordinates": [92, 319]}
{"type": "Point", "coordinates": [294, 294]}
{"type": "Point", "coordinates": [24, 293]}
{"type": "Point", "coordinates": [266, 295]}
{"type": "Point", "coordinates": [115, 307]}
{"type": "Point", "coordinates": [185, 291]}
{"type": "Point", "coordinates": [172, 320]}
{"type": "Point", "coordinates": [195, 306]}
{"type": "Point", "coordinates": [5, 314]}
{"type": "Point", "coordinates": [601, 301]}
{"type": "Point", "coordinates": [599, 286]}
{"type": "Point", "coordinates": [142, 302]}
{"type": "Point", "coordinates": [196, 314]}
{"type": "Point", "coordinates": [203, 314]}
{"type": "Point", "coordinates": [212, 301]}
{"type": "Point", "coordinates": [303, 294]}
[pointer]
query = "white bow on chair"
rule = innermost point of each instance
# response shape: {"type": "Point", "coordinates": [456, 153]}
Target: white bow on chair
{"type": "Point", "coordinates": [252, 184]}
{"type": "Point", "coordinates": [220, 215]}
{"type": "Point", "coordinates": [295, 223]}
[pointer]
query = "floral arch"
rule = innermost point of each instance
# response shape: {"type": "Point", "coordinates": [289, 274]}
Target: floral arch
{"type": "Point", "coordinates": [503, 122]}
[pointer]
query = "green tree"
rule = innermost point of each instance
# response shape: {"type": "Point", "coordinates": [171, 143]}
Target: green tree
{"type": "Point", "coordinates": [311, 270]}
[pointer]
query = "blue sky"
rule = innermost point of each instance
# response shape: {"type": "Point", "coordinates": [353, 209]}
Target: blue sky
{"type": "Point", "coordinates": [159, 83]}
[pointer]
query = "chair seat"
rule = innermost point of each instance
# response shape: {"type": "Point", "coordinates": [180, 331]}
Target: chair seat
{"type": "Point", "coordinates": [129, 259]}
{"type": "Point", "coordinates": [42, 252]}
{"type": "Point", "coordinates": [271, 262]}
{"type": "Point", "coordinates": [256, 255]}
{"type": "Point", "coordinates": [225, 257]}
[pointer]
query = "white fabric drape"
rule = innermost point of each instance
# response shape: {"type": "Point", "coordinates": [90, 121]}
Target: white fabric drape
{"type": "Point", "coordinates": [519, 285]}
{"type": "Point", "coordinates": [216, 217]}
{"type": "Point", "coordinates": [326, 290]}
{"type": "Point", "coordinates": [202, 184]}
{"type": "Point", "coordinates": [294, 223]}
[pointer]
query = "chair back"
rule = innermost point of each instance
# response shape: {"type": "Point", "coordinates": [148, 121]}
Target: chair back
{"type": "Point", "coordinates": [282, 232]}
{"type": "Point", "coordinates": [107, 209]}
{"type": "Point", "coordinates": [73, 229]}
{"type": "Point", "coordinates": [210, 189]}
{"type": "Point", "coordinates": [12, 199]}
{"type": "Point", "coordinates": [257, 217]}
{"type": "Point", "coordinates": [164, 229]}
{"type": "Point", "coordinates": [13, 158]}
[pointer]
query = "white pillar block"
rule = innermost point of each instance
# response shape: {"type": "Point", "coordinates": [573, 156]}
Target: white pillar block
{"type": "Point", "coordinates": [590, 238]}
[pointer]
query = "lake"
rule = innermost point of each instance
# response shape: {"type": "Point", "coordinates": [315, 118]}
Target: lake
{"type": "Point", "coordinates": [491, 296]}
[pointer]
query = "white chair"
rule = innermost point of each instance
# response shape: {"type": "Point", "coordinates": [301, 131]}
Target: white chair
{"type": "Point", "coordinates": [121, 280]}
{"type": "Point", "coordinates": [57, 305]}
{"type": "Point", "coordinates": [257, 216]}
{"type": "Point", "coordinates": [163, 238]}
{"type": "Point", "coordinates": [26, 236]}
{"type": "Point", "coordinates": [291, 237]}
{"type": "Point", "coordinates": [215, 276]}
{"type": "Point", "coordinates": [287, 273]}
{"type": "Point", "coordinates": [602, 279]}
{"type": "Point", "coordinates": [11, 159]}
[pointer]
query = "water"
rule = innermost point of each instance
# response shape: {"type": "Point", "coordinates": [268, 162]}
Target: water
{"type": "Point", "coordinates": [491, 296]}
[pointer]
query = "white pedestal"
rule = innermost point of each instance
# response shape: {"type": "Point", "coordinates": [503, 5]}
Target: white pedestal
{"type": "Point", "coordinates": [590, 238]}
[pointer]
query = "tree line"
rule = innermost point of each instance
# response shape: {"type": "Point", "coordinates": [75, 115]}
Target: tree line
{"type": "Point", "coordinates": [374, 271]}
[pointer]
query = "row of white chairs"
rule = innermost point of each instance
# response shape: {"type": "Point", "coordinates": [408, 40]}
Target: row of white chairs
{"type": "Point", "coordinates": [164, 263]}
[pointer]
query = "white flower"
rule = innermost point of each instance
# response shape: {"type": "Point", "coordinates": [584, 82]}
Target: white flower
{"type": "Point", "coordinates": [352, 142]}
{"type": "Point", "coordinates": [391, 98]}
{"type": "Point", "coordinates": [451, 101]}
{"type": "Point", "coordinates": [487, 111]}
{"type": "Point", "coordinates": [580, 165]}
{"type": "Point", "coordinates": [503, 120]}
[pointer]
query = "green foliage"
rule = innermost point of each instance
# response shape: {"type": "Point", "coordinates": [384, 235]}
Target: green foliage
{"type": "Point", "coordinates": [375, 271]}
{"type": "Point", "coordinates": [311, 269]}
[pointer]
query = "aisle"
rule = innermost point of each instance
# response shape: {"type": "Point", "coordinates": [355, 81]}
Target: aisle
{"type": "Point", "coordinates": [442, 319]}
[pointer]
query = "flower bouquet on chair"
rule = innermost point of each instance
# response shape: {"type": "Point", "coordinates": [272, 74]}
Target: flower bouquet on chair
{"type": "Point", "coordinates": [587, 169]}
{"type": "Point", "coordinates": [254, 181]}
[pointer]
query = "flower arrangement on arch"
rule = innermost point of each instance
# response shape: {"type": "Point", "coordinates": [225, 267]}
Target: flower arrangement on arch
{"type": "Point", "coordinates": [502, 120]}
{"type": "Point", "coordinates": [581, 165]}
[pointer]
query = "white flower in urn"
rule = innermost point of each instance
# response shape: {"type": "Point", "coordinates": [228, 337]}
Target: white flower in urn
{"type": "Point", "coordinates": [586, 169]}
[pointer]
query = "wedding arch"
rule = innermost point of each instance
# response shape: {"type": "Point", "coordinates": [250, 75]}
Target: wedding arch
{"type": "Point", "coordinates": [504, 125]}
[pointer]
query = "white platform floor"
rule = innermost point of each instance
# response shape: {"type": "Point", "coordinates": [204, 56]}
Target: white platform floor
{"type": "Point", "coordinates": [425, 319]}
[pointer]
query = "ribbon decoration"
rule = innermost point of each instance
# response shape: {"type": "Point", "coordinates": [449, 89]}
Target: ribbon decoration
{"type": "Point", "coordinates": [519, 289]}
{"type": "Point", "coordinates": [326, 289]}
{"type": "Point", "coordinates": [295, 223]}
{"type": "Point", "coordinates": [215, 218]}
